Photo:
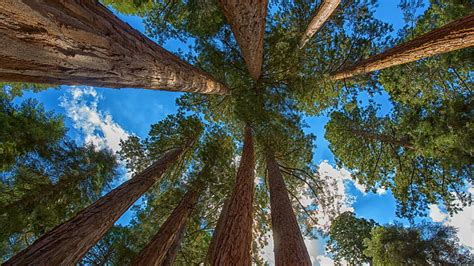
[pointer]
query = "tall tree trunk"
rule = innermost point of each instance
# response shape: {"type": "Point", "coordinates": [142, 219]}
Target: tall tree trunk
{"type": "Point", "coordinates": [69, 241]}
{"type": "Point", "coordinates": [247, 20]}
{"type": "Point", "coordinates": [325, 10]}
{"type": "Point", "coordinates": [157, 250]}
{"type": "Point", "coordinates": [173, 251]}
{"type": "Point", "coordinates": [212, 249]}
{"type": "Point", "coordinates": [456, 35]}
{"type": "Point", "coordinates": [82, 43]}
{"type": "Point", "coordinates": [233, 241]}
{"type": "Point", "coordinates": [288, 242]}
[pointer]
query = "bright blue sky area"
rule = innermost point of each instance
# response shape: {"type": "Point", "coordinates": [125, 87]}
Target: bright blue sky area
{"type": "Point", "coordinates": [135, 110]}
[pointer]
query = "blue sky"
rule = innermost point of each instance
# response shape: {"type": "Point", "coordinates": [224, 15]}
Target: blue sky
{"type": "Point", "coordinates": [132, 111]}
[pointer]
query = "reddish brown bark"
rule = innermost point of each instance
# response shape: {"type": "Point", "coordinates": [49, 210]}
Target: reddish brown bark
{"type": "Point", "coordinates": [68, 242]}
{"type": "Point", "coordinates": [220, 223]}
{"type": "Point", "coordinates": [233, 241]}
{"type": "Point", "coordinates": [288, 242]}
{"type": "Point", "coordinates": [169, 235]}
{"type": "Point", "coordinates": [247, 20]}
{"type": "Point", "coordinates": [173, 251]}
{"type": "Point", "coordinates": [456, 35]}
{"type": "Point", "coordinates": [80, 42]}
{"type": "Point", "coordinates": [325, 10]}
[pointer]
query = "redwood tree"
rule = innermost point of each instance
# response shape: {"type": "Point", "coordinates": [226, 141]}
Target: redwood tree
{"type": "Point", "coordinates": [288, 242]}
{"type": "Point", "coordinates": [233, 240]}
{"type": "Point", "coordinates": [83, 43]}
{"type": "Point", "coordinates": [325, 10]}
{"type": "Point", "coordinates": [456, 35]}
{"type": "Point", "coordinates": [163, 247]}
{"type": "Point", "coordinates": [68, 242]}
{"type": "Point", "coordinates": [247, 20]}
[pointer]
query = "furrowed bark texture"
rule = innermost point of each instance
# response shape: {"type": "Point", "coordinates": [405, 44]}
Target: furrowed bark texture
{"type": "Point", "coordinates": [169, 235]}
{"type": "Point", "coordinates": [247, 20]}
{"type": "Point", "coordinates": [173, 251]}
{"type": "Point", "coordinates": [80, 42]}
{"type": "Point", "coordinates": [233, 241]}
{"type": "Point", "coordinates": [220, 223]}
{"type": "Point", "coordinates": [68, 242]}
{"type": "Point", "coordinates": [324, 12]}
{"type": "Point", "coordinates": [289, 247]}
{"type": "Point", "coordinates": [453, 36]}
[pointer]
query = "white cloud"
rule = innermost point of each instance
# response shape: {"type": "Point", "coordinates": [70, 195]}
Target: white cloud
{"type": "Point", "coordinates": [334, 198]}
{"type": "Point", "coordinates": [463, 221]}
{"type": "Point", "coordinates": [436, 214]}
{"type": "Point", "coordinates": [324, 260]}
{"type": "Point", "coordinates": [98, 128]}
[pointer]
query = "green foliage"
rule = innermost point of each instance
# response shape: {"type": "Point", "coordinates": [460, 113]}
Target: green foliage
{"type": "Point", "coordinates": [129, 7]}
{"type": "Point", "coordinates": [421, 156]}
{"type": "Point", "coordinates": [173, 132]}
{"type": "Point", "coordinates": [10, 90]}
{"type": "Point", "coordinates": [39, 193]}
{"type": "Point", "coordinates": [210, 162]}
{"type": "Point", "coordinates": [26, 128]}
{"type": "Point", "coordinates": [426, 244]}
{"type": "Point", "coordinates": [346, 238]}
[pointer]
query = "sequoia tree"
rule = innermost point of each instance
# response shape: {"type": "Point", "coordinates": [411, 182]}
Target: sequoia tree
{"type": "Point", "coordinates": [456, 35]}
{"type": "Point", "coordinates": [166, 241]}
{"type": "Point", "coordinates": [234, 240]}
{"type": "Point", "coordinates": [323, 13]}
{"type": "Point", "coordinates": [68, 242]}
{"type": "Point", "coordinates": [247, 20]}
{"type": "Point", "coordinates": [85, 44]}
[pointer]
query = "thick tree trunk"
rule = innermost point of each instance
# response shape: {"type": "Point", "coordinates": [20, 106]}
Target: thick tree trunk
{"type": "Point", "coordinates": [233, 241]}
{"type": "Point", "coordinates": [453, 36]}
{"type": "Point", "coordinates": [68, 242]}
{"type": "Point", "coordinates": [288, 242]}
{"type": "Point", "coordinates": [247, 20]}
{"type": "Point", "coordinates": [82, 43]}
{"type": "Point", "coordinates": [169, 235]}
{"type": "Point", "coordinates": [325, 10]}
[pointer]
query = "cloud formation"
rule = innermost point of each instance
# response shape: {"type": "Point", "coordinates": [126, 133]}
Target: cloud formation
{"type": "Point", "coordinates": [463, 221]}
{"type": "Point", "coordinates": [97, 127]}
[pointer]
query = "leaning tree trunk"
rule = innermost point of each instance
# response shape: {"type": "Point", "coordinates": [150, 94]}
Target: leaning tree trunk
{"type": "Point", "coordinates": [453, 36]}
{"type": "Point", "coordinates": [173, 251]}
{"type": "Point", "coordinates": [169, 235]}
{"type": "Point", "coordinates": [247, 20]}
{"type": "Point", "coordinates": [68, 242]}
{"type": "Point", "coordinates": [325, 10]}
{"type": "Point", "coordinates": [82, 43]}
{"type": "Point", "coordinates": [288, 242]}
{"type": "Point", "coordinates": [220, 223]}
{"type": "Point", "coordinates": [233, 241]}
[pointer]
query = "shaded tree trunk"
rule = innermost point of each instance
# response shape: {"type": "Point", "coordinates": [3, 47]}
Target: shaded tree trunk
{"type": "Point", "coordinates": [233, 240]}
{"type": "Point", "coordinates": [325, 10]}
{"type": "Point", "coordinates": [166, 241]}
{"type": "Point", "coordinates": [173, 251]}
{"type": "Point", "coordinates": [82, 43]}
{"type": "Point", "coordinates": [212, 249]}
{"type": "Point", "coordinates": [289, 247]}
{"type": "Point", "coordinates": [456, 35]}
{"type": "Point", "coordinates": [69, 241]}
{"type": "Point", "coordinates": [247, 20]}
